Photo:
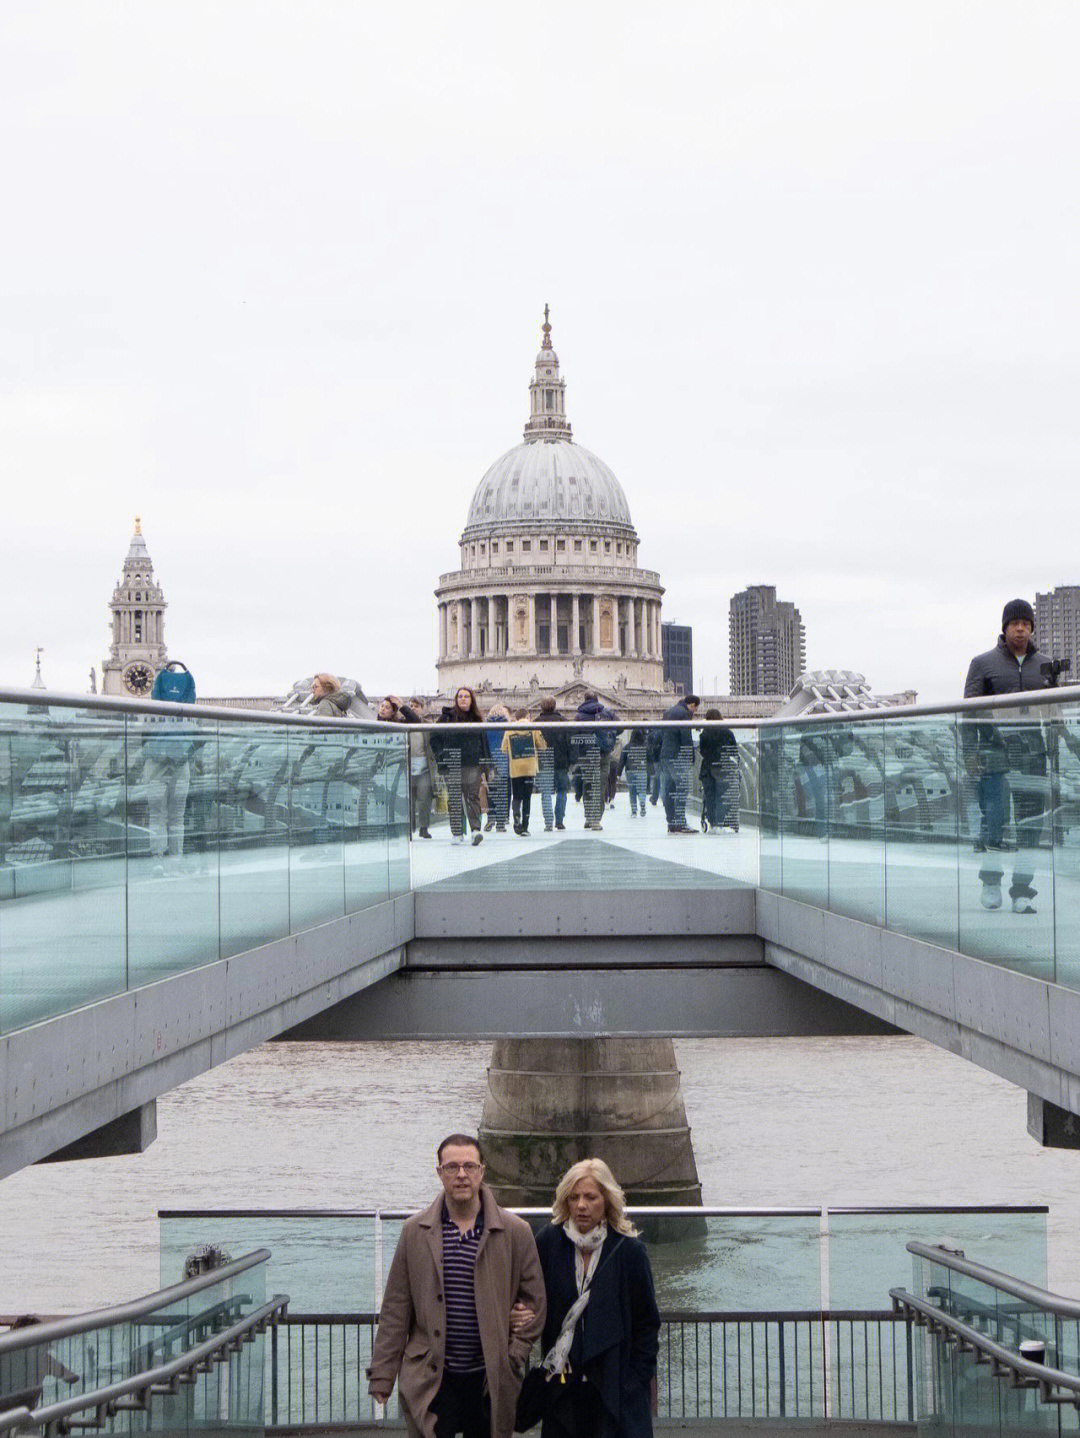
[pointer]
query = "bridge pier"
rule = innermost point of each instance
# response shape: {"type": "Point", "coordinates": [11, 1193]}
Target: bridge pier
{"type": "Point", "coordinates": [551, 1102]}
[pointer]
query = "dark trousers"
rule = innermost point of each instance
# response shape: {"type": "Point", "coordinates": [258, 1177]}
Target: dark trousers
{"type": "Point", "coordinates": [521, 791]}
{"type": "Point", "coordinates": [677, 785]}
{"type": "Point", "coordinates": [710, 798]}
{"type": "Point", "coordinates": [462, 1406]}
{"type": "Point", "coordinates": [576, 1412]}
{"type": "Point", "coordinates": [593, 778]}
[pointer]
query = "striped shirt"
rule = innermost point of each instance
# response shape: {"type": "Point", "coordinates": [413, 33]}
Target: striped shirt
{"type": "Point", "coordinates": [464, 1353]}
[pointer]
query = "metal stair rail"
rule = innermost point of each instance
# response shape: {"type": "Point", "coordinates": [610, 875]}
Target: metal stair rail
{"type": "Point", "coordinates": [1054, 1386]}
{"type": "Point", "coordinates": [134, 1392]}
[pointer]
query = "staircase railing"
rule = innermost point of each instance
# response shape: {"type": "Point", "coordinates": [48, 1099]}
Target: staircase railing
{"type": "Point", "coordinates": [1038, 1324]}
{"type": "Point", "coordinates": [118, 1370]}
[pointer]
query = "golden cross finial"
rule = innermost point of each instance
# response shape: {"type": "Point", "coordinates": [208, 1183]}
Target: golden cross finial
{"type": "Point", "coordinates": [138, 525]}
{"type": "Point", "coordinates": [547, 328]}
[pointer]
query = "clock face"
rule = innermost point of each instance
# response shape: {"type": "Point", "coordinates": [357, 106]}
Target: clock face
{"type": "Point", "coordinates": [138, 679]}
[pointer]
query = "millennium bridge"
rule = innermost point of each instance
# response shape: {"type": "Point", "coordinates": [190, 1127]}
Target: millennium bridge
{"type": "Point", "coordinates": [177, 886]}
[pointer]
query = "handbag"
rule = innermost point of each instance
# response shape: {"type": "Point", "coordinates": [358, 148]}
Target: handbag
{"type": "Point", "coordinates": [532, 1400]}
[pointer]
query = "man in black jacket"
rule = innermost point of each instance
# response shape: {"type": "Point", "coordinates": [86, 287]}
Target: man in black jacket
{"type": "Point", "coordinates": [676, 761]}
{"type": "Point", "coordinates": [995, 751]}
{"type": "Point", "coordinates": [554, 776]}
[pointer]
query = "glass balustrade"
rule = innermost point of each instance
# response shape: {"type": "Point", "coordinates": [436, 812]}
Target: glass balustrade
{"type": "Point", "coordinates": [136, 845]}
{"type": "Point", "coordinates": [747, 1331]}
{"type": "Point", "coordinates": [958, 1389]}
{"type": "Point", "coordinates": [962, 828]}
{"type": "Point", "coordinates": [113, 1346]}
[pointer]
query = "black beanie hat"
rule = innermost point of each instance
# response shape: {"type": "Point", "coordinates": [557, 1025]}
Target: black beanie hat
{"type": "Point", "coordinates": [1017, 609]}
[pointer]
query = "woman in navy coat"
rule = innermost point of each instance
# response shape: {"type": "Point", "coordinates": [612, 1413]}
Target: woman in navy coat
{"type": "Point", "coordinates": [601, 1336]}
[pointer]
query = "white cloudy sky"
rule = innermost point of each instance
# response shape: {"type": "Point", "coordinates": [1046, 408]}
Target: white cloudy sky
{"type": "Point", "coordinates": [272, 277]}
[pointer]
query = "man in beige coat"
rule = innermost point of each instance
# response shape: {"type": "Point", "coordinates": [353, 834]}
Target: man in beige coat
{"type": "Point", "coordinates": [445, 1325]}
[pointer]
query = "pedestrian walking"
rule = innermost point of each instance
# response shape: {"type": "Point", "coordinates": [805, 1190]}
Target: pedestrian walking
{"type": "Point", "coordinates": [444, 1328]}
{"type": "Point", "coordinates": [1007, 758]}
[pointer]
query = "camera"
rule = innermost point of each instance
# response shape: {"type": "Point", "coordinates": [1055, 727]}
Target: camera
{"type": "Point", "coordinates": [1052, 670]}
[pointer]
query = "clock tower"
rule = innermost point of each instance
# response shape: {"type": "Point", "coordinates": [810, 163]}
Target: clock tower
{"type": "Point", "coordinates": [137, 621]}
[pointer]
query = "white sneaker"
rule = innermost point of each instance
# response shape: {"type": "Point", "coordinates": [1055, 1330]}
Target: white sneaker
{"type": "Point", "coordinates": [990, 898]}
{"type": "Point", "coordinates": [1022, 904]}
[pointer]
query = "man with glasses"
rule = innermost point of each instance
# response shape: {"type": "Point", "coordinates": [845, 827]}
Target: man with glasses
{"type": "Point", "coordinates": [445, 1324]}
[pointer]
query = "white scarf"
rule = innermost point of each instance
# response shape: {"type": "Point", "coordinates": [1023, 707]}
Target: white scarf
{"type": "Point", "coordinates": [584, 1243]}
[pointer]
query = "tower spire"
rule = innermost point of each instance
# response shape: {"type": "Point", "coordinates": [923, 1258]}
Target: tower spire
{"type": "Point", "coordinates": [547, 328]}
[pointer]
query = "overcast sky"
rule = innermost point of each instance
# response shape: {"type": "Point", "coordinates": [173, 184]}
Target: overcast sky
{"type": "Point", "coordinates": [273, 276]}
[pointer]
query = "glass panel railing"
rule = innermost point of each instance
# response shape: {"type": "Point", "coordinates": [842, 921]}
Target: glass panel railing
{"type": "Point", "coordinates": [172, 872]}
{"type": "Point", "coordinates": [63, 861]}
{"type": "Point", "coordinates": [253, 835]}
{"type": "Point", "coordinates": [921, 824]}
{"type": "Point", "coordinates": [740, 1292]}
{"type": "Point", "coordinates": [745, 1334]}
{"type": "Point", "coordinates": [155, 843]}
{"type": "Point", "coordinates": [959, 1388]}
{"type": "Point", "coordinates": [868, 1246]}
{"type": "Point", "coordinates": [857, 820]}
{"type": "Point", "coordinates": [145, 841]}
{"type": "Point", "coordinates": [1063, 746]}
{"type": "Point", "coordinates": [1007, 871]}
{"type": "Point", "coordinates": [805, 810]}
{"type": "Point", "coordinates": [958, 828]}
{"type": "Point", "coordinates": [60, 1361]}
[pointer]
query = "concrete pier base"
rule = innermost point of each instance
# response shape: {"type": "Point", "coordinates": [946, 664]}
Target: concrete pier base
{"type": "Point", "coordinates": [551, 1102]}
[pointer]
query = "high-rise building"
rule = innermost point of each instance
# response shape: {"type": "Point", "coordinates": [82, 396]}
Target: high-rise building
{"type": "Point", "coordinates": [768, 642]}
{"type": "Point", "coordinates": [1057, 627]}
{"type": "Point", "coordinates": [677, 645]}
{"type": "Point", "coordinates": [137, 621]}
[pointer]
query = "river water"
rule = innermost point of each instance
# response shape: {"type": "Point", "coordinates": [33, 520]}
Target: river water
{"type": "Point", "coordinates": [776, 1122]}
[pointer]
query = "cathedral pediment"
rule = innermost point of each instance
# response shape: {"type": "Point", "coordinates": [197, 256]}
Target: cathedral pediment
{"type": "Point", "coordinates": [573, 695]}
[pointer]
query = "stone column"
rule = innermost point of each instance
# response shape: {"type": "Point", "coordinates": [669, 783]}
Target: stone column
{"type": "Point", "coordinates": [550, 1102]}
{"type": "Point", "coordinates": [474, 627]}
{"type": "Point", "coordinates": [553, 641]}
{"type": "Point", "coordinates": [595, 623]}
{"type": "Point", "coordinates": [462, 640]}
{"type": "Point", "coordinates": [575, 624]}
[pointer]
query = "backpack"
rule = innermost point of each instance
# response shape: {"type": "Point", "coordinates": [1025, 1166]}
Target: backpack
{"type": "Point", "coordinates": [175, 685]}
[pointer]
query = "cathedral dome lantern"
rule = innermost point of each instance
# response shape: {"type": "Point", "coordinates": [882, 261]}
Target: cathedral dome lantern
{"type": "Point", "coordinates": [549, 564]}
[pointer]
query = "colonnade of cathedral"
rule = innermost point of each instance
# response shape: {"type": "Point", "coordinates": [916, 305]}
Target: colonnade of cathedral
{"type": "Point", "coordinates": [495, 625]}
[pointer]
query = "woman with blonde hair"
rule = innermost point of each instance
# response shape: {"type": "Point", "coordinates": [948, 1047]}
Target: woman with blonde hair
{"type": "Point", "coordinates": [600, 1339]}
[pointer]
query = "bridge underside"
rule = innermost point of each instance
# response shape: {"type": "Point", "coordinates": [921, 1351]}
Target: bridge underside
{"type": "Point", "coordinates": [581, 939]}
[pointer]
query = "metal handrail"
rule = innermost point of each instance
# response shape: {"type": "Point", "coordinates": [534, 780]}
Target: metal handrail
{"type": "Point", "coordinates": [1055, 1303]}
{"type": "Point", "coordinates": [667, 1315]}
{"type": "Point", "coordinates": [1061, 695]}
{"type": "Point", "coordinates": [39, 1333]}
{"type": "Point", "coordinates": [1025, 1373]}
{"type": "Point", "coordinates": [165, 1378]}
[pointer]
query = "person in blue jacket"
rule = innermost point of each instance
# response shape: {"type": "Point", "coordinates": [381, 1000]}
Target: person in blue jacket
{"type": "Point", "coordinates": [601, 1335]}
